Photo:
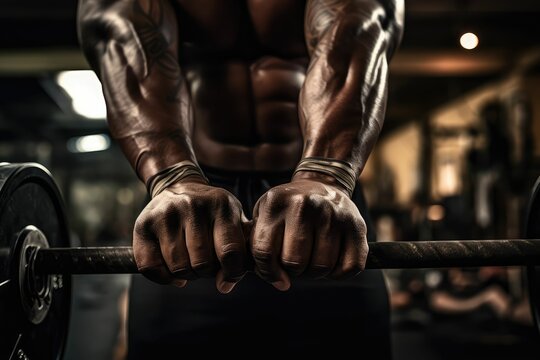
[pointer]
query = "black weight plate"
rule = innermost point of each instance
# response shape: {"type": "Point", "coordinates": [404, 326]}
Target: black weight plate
{"type": "Point", "coordinates": [532, 231]}
{"type": "Point", "coordinates": [29, 196]}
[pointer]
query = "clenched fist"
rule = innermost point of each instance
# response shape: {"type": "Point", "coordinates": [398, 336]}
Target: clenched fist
{"type": "Point", "coordinates": [191, 230]}
{"type": "Point", "coordinates": [307, 227]}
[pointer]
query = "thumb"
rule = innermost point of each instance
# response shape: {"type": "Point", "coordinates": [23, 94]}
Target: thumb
{"type": "Point", "coordinates": [247, 226]}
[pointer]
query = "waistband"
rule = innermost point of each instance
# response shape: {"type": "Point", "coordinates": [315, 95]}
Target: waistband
{"type": "Point", "coordinates": [213, 172]}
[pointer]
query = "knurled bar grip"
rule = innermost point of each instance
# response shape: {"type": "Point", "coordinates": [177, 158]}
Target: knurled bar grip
{"type": "Point", "coordinates": [382, 255]}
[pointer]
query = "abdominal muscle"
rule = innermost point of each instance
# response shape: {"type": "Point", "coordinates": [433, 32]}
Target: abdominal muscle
{"type": "Point", "coordinates": [245, 115]}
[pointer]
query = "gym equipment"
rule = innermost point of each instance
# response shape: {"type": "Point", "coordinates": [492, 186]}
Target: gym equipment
{"type": "Point", "coordinates": [36, 260]}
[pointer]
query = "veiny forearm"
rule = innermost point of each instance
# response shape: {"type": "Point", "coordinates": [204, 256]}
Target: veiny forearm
{"type": "Point", "coordinates": [343, 100]}
{"type": "Point", "coordinates": [132, 46]}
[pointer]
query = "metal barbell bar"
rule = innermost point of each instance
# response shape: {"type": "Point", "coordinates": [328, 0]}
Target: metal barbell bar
{"type": "Point", "coordinates": [382, 255]}
{"type": "Point", "coordinates": [35, 286]}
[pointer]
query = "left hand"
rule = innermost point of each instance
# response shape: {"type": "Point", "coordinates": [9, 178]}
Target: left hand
{"type": "Point", "coordinates": [307, 227]}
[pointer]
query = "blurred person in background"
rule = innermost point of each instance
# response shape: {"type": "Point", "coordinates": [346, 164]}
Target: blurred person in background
{"type": "Point", "coordinates": [476, 298]}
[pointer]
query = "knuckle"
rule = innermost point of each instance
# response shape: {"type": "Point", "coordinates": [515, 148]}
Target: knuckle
{"type": "Point", "coordinates": [273, 199]}
{"type": "Point", "coordinates": [361, 225]}
{"type": "Point", "coordinates": [156, 219]}
{"type": "Point", "coordinates": [261, 255]}
{"type": "Point", "coordinates": [232, 202]}
{"type": "Point", "coordinates": [203, 268]}
{"type": "Point", "coordinates": [171, 209]}
{"type": "Point", "coordinates": [218, 195]}
{"type": "Point", "coordinates": [303, 204]}
{"type": "Point", "coordinates": [232, 262]}
{"type": "Point", "coordinates": [352, 268]}
{"type": "Point", "coordinates": [228, 207]}
{"type": "Point", "coordinates": [179, 269]}
{"type": "Point", "coordinates": [155, 272]}
{"type": "Point", "coordinates": [271, 195]}
{"type": "Point", "coordinates": [183, 272]}
{"type": "Point", "coordinates": [295, 267]}
{"type": "Point", "coordinates": [184, 201]}
{"type": "Point", "coordinates": [143, 258]}
{"type": "Point", "coordinates": [364, 249]}
{"type": "Point", "coordinates": [178, 265]}
{"type": "Point", "coordinates": [198, 219]}
{"type": "Point", "coordinates": [199, 203]}
{"type": "Point", "coordinates": [326, 207]}
{"type": "Point", "coordinates": [363, 228]}
{"type": "Point", "coordinates": [360, 229]}
{"type": "Point", "coordinates": [140, 258]}
{"type": "Point", "coordinates": [226, 197]}
{"type": "Point", "coordinates": [142, 225]}
{"type": "Point", "coordinates": [221, 197]}
{"type": "Point", "coordinates": [320, 270]}
{"type": "Point", "coordinates": [193, 203]}
{"type": "Point", "coordinates": [167, 218]}
{"type": "Point", "coordinates": [231, 251]}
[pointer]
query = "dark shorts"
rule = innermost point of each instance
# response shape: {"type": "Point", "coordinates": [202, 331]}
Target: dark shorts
{"type": "Point", "coordinates": [349, 315]}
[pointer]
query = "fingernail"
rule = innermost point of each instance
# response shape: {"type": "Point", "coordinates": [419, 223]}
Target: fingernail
{"type": "Point", "coordinates": [281, 285]}
{"type": "Point", "coordinates": [179, 283]}
{"type": "Point", "coordinates": [225, 287]}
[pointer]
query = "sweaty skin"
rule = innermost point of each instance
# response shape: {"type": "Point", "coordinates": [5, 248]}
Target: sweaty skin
{"type": "Point", "coordinates": [251, 85]}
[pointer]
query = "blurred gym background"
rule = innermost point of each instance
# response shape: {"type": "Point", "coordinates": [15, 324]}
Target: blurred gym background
{"type": "Point", "coordinates": [458, 154]}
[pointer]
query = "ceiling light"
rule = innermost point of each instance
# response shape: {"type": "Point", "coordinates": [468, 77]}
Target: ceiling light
{"type": "Point", "coordinates": [85, 91]}
{"type": "Point", "coordinates": [89, 143]}
{"type": "Point", "coordinates": [468, 41]}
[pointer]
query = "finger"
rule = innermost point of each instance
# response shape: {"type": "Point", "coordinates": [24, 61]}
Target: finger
{"type": "Point", "coordinates": [174, 251]}
{"type": "Point", "coordinates": [353, 255]}
{"type": "Point", "coordinates": [266, 241]}
{"type": "Point", "coordinates": [225, 286]}
{"type": "Point", "coordinates": [297, 244]}
{"type": "Point", "coordinates": [326, 249]}
{"type": "Point", "coordinates": [247, 227]}
{"type": "Point", "coordinates": [200, 246]}
{"type": "Point", "coordinates": [230, 247]}
{"type": "Point", "coordinates": [148, 255]}
{"type": "Point", "coordinates": [245, 219]}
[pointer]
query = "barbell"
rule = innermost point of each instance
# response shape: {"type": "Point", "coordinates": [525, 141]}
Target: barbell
{"type": "Point", "coordinates": [36, 261]}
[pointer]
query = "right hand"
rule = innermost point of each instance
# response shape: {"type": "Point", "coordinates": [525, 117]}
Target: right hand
{"type": "Point", "coordinates": [188, 231]}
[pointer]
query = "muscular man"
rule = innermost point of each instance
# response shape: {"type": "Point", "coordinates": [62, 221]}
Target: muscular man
{"type": "Point", "coordinates": [215, 104]}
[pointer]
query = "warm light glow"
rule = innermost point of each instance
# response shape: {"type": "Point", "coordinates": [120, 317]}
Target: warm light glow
{"type": "Point", "coordinates": [448, 179]}
{"type": "Point", "coordinates": [468, 41]}
{"type": "Point", "coordinates": [85, 91]}
{"type": "Point", "coordinates": [89, 143]}
{"type": "Point", "coordinates": [435, 213]}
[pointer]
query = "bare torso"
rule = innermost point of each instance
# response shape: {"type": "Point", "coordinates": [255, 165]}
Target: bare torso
{"type": "Point", "coordinates": [245, 64]}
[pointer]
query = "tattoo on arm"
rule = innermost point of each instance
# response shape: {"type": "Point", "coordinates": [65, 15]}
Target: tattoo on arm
{"type": "Point", "coordinates": [156, 46]}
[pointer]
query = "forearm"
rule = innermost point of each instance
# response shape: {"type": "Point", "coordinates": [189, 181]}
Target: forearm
{"type": "Point", "coordinates": [132, 46]}
{"type": "Point", "coordinates": [343, 100]}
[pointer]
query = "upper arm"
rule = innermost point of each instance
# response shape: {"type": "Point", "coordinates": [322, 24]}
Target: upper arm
{"type": "Point", "coordinates": [323, 15]}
